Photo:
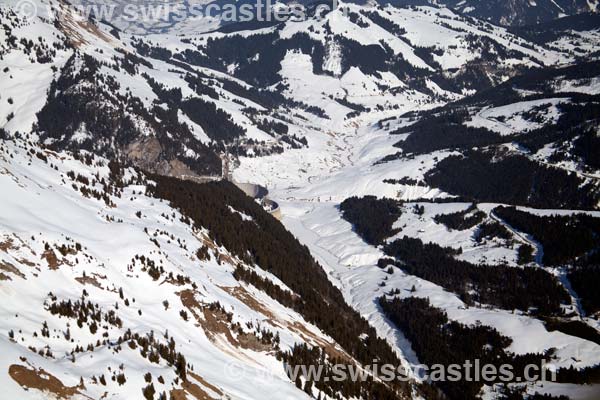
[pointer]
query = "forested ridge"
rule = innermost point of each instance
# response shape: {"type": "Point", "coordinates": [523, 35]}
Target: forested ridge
{"type": "Point", "coordinates": [461, 220]}
{"type": "Point", "coordinates": [530, 289]}
{"type": "Point", "coordinates": [372, 218]}
{"type": "Point", "coordinates": [85, 110]}
{"type": "Point", "coordinates": [563, 237]}
{"type": "Point", "coordinates": [265, 242]}
{"type": "Point", "coordinates": [585, 279]}
{"type": "Point", "coordinates": [527, 289]}
{"type": "Point", "coordinates": [439, 340]}
{"type": "Point", "coordinates": [489, 176]}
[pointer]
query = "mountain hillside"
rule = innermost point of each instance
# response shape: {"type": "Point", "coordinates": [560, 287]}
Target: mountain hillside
{"type": "Point", "coordinates": [193, 209]}
{"type": "Point", "coordinates": [521, 12]}
{"type": "Point", "coordinates": [129, 293]}
{"type": "Point", "coordinates": [255, 96]}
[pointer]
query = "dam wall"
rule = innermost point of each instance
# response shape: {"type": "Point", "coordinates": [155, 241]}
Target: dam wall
{"type": "Point", "coordinates": [259, 192]}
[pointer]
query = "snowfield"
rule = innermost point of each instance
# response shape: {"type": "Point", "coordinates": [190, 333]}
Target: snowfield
{"type": "Point", "coordinates": [510, 119]}
{"type": "Point", "coordinates": [40, 207]}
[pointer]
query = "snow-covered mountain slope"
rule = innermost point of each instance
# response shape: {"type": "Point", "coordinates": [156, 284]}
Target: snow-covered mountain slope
{"type": "Point", "coordinates": [170, 103]}
{"type": "Point", "coordinates": [422, 46]}
{"type": "Point", "coordinates": [449, 116]}
{"type": "Point", "coordinates": [311, 211]}
{"type": "Point", "coordinates": [521, 12]}
{"type": "Point", "coordinates": [577, 33]}
{"type": "Point", "coordinates": [545, 121]}
{"type": "Point", "coordinates": [108, 291]}
{"type": "Point", "coordinates": [160, 115]}
{"type": "Point", "coordinates": [185, 17]}
{"type": "Point", "coordinates": [59, 245]}
{"type": "Point", "coordinates": [556, 105]}
{"type": "Point", "coordinates": [353, 263]}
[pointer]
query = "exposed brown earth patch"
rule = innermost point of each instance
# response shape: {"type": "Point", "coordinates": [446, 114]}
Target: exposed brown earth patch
{"type": "Point", "coordinates": [251, 342]}
{"type": "Point", "coordinates": [6, 245]}
{"type": "Point", "coordinates": [8, 267]}
{"type": "Point", "coordinates": [224, 258]}
{"type": "Point", "coordinates": [215, 249]}
{"type": "Point", "coordinates": [41, 380]}
{"type": "Point", "coordinates": [190, 302]}
{"type": "Point", "coordinates": [215, 323]}
{"type": "Point", "coordinates": [211, 321]}
{"type": "Point", "coordinates": [25, 261]}
{"type": "Point", "coordinates": [329, 347]}
{"type": "Point", "coordinates": [50, 257]}
{"type": "Point", "coordinates": [205, 383]}
{"type": "Point", "coordinates": [173, 282]}
{"type": "Point", "coordinates": [245, 297]}
{"type": "Point", "coordinates": [72, 25]}
{"type": "Point", "coordinates": [89, 280]}
{"type": "Point", "coordinates": [177, 394]}
{"type": "Point", "coordinates": [193, 390]}
{"type": "Point", "coordinates": [207, 242]}
{"type": "Point", "coordinates": [55, 261]}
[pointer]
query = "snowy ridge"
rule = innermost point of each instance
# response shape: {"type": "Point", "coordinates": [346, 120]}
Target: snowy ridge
{"type": "Point", "coordinates": [103, 244]}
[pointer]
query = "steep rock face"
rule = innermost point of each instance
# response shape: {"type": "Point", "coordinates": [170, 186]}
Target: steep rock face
{"type": "Point", "coordinates": [147, 154]}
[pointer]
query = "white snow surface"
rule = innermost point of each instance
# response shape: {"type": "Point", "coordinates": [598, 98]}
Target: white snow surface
{"type": "Point", "coordinates": [39, 205]}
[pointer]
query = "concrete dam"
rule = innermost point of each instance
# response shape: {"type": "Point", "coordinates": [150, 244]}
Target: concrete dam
{"type": "Point", "coordinates": [260, 193]}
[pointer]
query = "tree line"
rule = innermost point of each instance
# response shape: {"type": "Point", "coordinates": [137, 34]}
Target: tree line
{"type": "Point", "coordinates": [265, 242]}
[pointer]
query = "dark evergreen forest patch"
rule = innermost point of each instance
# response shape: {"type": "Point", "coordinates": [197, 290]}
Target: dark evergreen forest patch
{"type": "Point", "coordinates": [564, 237]}
{"type": "Point", "coordinates": [372, 218]}
{"type": "Point", "coordinates": [488, 176]}
{"type": "Point", "coordinates": [264, 241]}
{"type": "Point", "coordinates": [528, 289]}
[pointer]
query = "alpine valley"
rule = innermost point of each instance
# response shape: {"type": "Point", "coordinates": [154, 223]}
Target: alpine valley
{"type": "Point", "coordinates": [191, 207]}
